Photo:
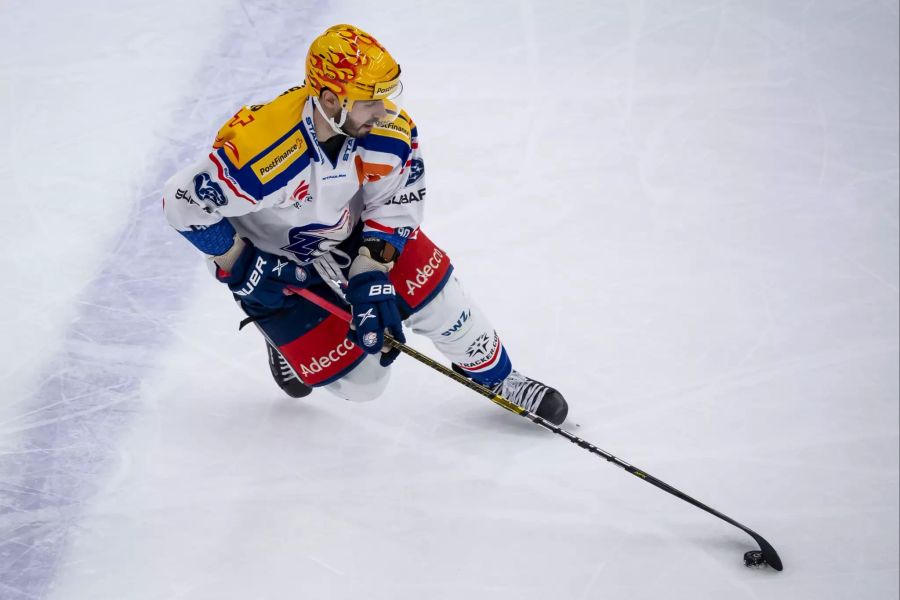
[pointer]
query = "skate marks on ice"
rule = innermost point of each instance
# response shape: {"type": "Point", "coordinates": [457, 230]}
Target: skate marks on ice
{"type": "Point", "coordinates": [61, 445]}
{"type": "Point", "coordinates": [330, 498]}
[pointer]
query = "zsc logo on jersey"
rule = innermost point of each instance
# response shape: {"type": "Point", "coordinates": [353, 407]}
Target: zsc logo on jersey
{"type": "Point", "coordinates": [208, 190]}
{"type": "Point", "coordinates": [306, 245]}
{"type": "Point", "coordinates": [314, 240]}
{"type": "Point", "coordinates": [416, 170]}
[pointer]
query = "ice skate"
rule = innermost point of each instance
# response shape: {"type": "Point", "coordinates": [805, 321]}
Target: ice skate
{"type": "Point", "coordinates": [284, 375]}
{"type": "Point", "coordinates": [534, 396]}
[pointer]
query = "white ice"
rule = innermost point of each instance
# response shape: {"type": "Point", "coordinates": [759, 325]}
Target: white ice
{"type": "Point", "coordinates": [684, 215]}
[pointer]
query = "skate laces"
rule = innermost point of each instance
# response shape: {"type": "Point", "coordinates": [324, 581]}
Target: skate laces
{"type": "Point", "coordinates": [287, 373]}
{"type": "Point", "coordinates": [284, 370]}
{"type": "Point", "coordinates": [522, 391]}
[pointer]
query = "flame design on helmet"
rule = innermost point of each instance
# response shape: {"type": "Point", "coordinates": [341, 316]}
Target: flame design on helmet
{"type": "Point", "coordinates": [349, 62]}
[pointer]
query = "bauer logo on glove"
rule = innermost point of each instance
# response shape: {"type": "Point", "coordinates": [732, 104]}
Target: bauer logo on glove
{"type": "Point", "coordinates": [374, 311]}
{"type": "Point", "coordinates": [260, 278]}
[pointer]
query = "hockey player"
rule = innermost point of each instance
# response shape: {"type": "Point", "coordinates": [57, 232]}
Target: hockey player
{"type": "Point", "coordinates": [323, 188]}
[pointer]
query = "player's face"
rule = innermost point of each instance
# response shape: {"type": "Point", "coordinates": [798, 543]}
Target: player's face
{"type": "Point", "coordinates": [363, 116]}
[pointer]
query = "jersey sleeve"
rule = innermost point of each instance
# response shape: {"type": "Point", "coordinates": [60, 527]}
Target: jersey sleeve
{"type": "Point", "coordinates": [392, 172]}
{"type": "Point", "coordinates": [197, 206]}
{"type": "Point", "coordinates": [259, 150]}
{"type": "Point", "coordinates": [254, 155]}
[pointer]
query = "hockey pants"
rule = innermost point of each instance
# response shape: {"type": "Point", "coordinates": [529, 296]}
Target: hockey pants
{"type": "Point", "coordinates": [458, 329]}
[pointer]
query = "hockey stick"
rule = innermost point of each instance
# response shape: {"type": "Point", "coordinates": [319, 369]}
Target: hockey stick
{"type": "Point", "coordinates": [766, 553]}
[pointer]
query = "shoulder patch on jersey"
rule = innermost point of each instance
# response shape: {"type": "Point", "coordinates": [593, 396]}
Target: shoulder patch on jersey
{"type": "Point", "coordinates": [255, 128]}
{"type": "Point", "coordinates": [400, 128]}
{"type": "Point", "coordinates": [286, 158]}
{"type": "Point", "coordinates": [395, 138]}
{"type": "Point", "coordinates": [279, 158]}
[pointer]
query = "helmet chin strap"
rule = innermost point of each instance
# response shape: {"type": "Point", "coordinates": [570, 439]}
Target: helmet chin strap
{"type": "Point", "coordinates": [335, 125]}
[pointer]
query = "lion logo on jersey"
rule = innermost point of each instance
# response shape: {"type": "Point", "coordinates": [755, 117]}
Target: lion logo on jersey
{"type": "Point", "coordinates": [208, 190]}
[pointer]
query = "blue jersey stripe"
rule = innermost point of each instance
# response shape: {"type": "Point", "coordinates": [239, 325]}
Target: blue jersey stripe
{"type": "Point", "coordinates": [281, 180]}
{"type": "Point", "coordinates": [249, 181]}
{"type": "Point", "coordinates": [397, 241]}
{"type": "Point", "coordinates": [245, 177]}
{"type": "Point", "coordinates": [390, 145]}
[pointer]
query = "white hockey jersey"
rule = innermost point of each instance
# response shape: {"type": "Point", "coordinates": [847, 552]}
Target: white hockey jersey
{"type": "Point", "coordinates": [268, 179]}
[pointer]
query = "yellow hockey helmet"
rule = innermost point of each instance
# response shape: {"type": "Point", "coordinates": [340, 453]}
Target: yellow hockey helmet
{"type": "Point", "coordinates": [352, 64]}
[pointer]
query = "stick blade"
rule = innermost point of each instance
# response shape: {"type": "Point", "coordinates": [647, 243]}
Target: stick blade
{"type": "Point", "coordinates": [769, 556]}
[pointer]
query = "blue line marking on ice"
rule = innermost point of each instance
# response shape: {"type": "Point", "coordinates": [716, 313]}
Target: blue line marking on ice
{"type": "Point", "coordinates": [72, 424]}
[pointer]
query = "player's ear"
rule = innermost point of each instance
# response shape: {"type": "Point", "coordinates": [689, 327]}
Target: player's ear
{"type": "Point", "coordinates": [329, 100]}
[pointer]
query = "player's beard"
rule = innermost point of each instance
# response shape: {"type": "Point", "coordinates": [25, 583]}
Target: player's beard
{"type": "Point", "coordinates": [358, 130]}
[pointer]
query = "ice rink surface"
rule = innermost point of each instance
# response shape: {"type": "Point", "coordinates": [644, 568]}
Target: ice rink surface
{"type": "Point", "coordinates": [684, 215]}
